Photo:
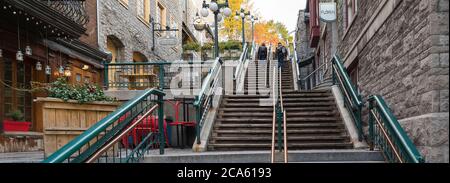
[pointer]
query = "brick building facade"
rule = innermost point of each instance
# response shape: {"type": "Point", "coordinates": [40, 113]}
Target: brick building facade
{"type": "Point", "coordinates": [397, 49]}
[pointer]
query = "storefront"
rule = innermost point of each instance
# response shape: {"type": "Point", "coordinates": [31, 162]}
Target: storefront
{"type": "Point", "coordinates": [37, 47]}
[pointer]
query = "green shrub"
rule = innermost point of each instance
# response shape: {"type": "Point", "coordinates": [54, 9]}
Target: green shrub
{"type": "Point", "coordinates": [16, 115]}
{"type": "Point", "coordinates": [82, 93]}
{"type": "Point", "coordinates": [191, 46]}
{"type": "Point", "coordinates": [207, 46]}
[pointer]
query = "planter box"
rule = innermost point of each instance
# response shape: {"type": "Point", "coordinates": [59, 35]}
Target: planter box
{"type": "Point", "coordinates": [14, 126]}
{"type": "Point", "coordinates": [62, 121]}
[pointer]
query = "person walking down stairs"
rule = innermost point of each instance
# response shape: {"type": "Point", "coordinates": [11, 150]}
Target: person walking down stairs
{"type": "Point", "coordinates": [281, 54]}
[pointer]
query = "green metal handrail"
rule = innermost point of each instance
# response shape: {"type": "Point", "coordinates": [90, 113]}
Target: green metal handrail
{"type": "Point", "coordinates": [95, 130]}
{"type": "Point", "coordinates": [208, 86]}
{"type": "Point", "coordinates": [353, 99]}
{"type": "Point", "coordinates": [394, 142]}
{"type": "Point", "coordinates": [242, 59]}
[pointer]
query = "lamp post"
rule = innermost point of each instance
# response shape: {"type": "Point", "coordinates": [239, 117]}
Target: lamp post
{"type": "Point", "coordinates": [242, 14]}
{"type": "Point", "coordinates": [253, 24]}
{"type": "Point", "coordinates": [216, 7]}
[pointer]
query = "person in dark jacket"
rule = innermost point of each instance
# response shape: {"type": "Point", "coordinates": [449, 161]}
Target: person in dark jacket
{"type": "Point", "coordinates": [281, 53]}
{"type": "Point", "coordinates": [262, 52]}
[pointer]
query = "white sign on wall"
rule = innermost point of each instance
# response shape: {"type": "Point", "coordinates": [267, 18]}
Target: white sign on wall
{"type": "Point", "coordinates": [327, 12]}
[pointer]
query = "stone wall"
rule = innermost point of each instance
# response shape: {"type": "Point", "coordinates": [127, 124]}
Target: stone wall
{"type": "Point", "coordinates": [123, 23]}
{"type": "Point", "coordinates": [403, 56]}
{"type": "Point", "coordinates": [302, 43]}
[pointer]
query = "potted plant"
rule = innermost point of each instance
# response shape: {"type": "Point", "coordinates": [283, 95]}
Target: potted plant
{"type": "Point", "coordinates": [16, 122]}
{"type": "Point", "coordinates": [191, 50]}
{"type": "Point", "coordinates": [207, 51]}
{"type": "Point", "coordinates": [68, 111]}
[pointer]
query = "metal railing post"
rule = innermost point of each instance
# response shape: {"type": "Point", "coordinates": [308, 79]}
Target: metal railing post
{"type": "Point", "coordinates": [105, 77]}
{"type": "Point", "coordinates": [280, 137]}
{"type": "Point", "coordinates": [197, 119]}
{"type": "Point", "coordinates": [161, 77]}
{"type": "Point", "coordinates": [371, 127]}
{"type": "Point", "coordinates": [161, 123]}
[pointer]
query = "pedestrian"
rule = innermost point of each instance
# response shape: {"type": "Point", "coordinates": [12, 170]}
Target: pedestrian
{"type": "Point", "coordinates": [281, 53]}
{"type": "Point", "coordinates": [262, 52]}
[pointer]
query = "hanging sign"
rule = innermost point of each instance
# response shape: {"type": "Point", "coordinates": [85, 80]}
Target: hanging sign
{"type": "Point", "coordinates": [168, 41]}
{"type": "Point", "coordinates": [327, 12]}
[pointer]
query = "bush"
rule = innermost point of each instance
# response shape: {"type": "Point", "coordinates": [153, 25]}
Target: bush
{"type": "Point", "coordinates": [191, 46]}
{"type": "Point", "coordinates": [230, 45]}
{"type": "Point", "coordinates": [16, 115]}
{"type": "Point", "coordinates": [82, 93]}
{"type": "Point", "coordinates": [207, 46]}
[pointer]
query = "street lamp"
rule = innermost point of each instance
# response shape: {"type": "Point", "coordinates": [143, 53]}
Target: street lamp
{"type": "Point", "coordinates": [242, 14]}
{"type": "Point", "coordinates": [218, 9]}
{"type": "Point", "coordinates": [253, 23]}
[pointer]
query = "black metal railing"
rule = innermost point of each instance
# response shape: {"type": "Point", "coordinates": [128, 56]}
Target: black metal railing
{"type": "Point", "coordinates": [73, 9]}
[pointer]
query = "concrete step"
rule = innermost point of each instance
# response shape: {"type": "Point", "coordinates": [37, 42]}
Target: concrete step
{"type": "Point", "coordinates": [308, 156]}
{"type": "Point", "coordinates": [289, 131]}
{"type": "Point", "coordinates": [266, 139]}
{"type": "Point", "coordinates": [286, 100]}
{"type": "Point", "coordinates": [268, 113]}
{"type": "Point", "coordinates": [296, 146]}
{"type": "Point", "coordinates": [290, 125]}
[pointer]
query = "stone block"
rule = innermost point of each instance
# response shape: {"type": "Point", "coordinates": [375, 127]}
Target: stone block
{"type": "Point", "coordinates": [429, 130]}
{"type": "Point", "coordinates": [443, 101]}
{"type": "Point", "coordinates": [443, 60]}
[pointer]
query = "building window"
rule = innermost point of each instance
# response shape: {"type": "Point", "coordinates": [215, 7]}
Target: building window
{"type": "Point", "coordinates": [78, 78]}
{"type": "Point", "coordinates": [161, 15]}
{"type": "Point", "coordinates": [143, 10]}
{"type": "Point", "coordinates": [351, 7]}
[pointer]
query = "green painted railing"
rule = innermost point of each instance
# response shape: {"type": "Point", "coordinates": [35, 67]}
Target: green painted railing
{"type": "Point", "coordinates": [352, 98]}
{"type": "Point", "coordinates": [112, 133]}
{"type": "Point", "coordinates": [203, 101]}
{"type": "Point", "coordinates": [386, 134]}
{"type": "Point", "coordinates": [145, 75]}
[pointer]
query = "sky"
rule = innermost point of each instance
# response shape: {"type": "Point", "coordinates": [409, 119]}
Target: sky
{"type": "Point", "coordinates": [284, 11]}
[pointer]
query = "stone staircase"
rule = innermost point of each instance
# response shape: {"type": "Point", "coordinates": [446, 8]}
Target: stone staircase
{"type": "Point", "coordinates": [313, 121]}
{"type": "Point", "coordinates": [313, 115]}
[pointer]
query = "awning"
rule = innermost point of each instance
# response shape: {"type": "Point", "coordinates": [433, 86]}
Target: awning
{"type": "Point", "coordinates": [189, 33]}
{"type": "Point", "coordinates": [305, 62]}
{"type": "Point", "coordinates": [74, 54]}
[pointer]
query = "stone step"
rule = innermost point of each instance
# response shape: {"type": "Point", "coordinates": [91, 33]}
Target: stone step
{"type": "Point", "coordinates": [269, 118]}
{"type": "Point", "coordinates": [290, 125]}
{"type": "Point", "coordinates": [310, 138]}
{"type": "Point", "coordinates": [306, 95]}
{"type": "Point", "coordinates": [269, 113]}
{"type": "Point", "coordinates": [245, 132]}
{"type": "Point", "coordinates": [267, 146]}
{"type": "Point", "coordinates": [285, 100]}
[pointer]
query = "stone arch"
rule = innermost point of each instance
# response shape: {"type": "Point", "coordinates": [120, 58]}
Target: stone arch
{"type": "Point", "coordinates": [115, 46]}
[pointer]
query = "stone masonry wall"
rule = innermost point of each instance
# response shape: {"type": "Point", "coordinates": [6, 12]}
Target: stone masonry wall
{"type": "Point", "coordinates": [123, 23]}
{"type": "Point", "coordinates": [406, 62]}
{"type": "Point", "coordinates": [303, 49]}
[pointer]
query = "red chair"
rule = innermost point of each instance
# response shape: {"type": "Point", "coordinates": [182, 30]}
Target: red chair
{"type": "Point", "coordinates": [177, 122]}
{"type": "Point", "coordinates": [149, 124]}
